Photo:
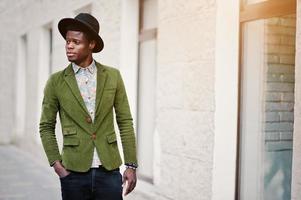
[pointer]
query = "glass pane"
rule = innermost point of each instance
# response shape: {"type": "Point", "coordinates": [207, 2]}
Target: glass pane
{"type": "Point", "coordinates": [267, 108]}
{"type": "Point", "coordinates": [247, 2]}
{"type": "Point", "coordinates": [146, 107]}
{"type": "Point", "coordinates": [149, 14]}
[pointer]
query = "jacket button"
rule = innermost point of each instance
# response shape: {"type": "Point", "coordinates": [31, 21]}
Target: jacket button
{"type": "Point", "coordinates": [89, 120]}
{"type": "Point", "coordinates": [93, 136]}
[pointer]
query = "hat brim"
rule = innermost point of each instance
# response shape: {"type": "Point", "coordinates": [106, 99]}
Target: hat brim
{"type": "Point", "coordinates": [64, 23]}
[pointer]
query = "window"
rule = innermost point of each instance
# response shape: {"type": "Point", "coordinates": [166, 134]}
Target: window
{"type": "Point", "coordinates": [21, 86]}
{"type": "Point", "coordinates": [45, 66]}
{"type": "Point", "coordinates": [268, 31]}
{"type": "Point", "coordinates": [147, 88]}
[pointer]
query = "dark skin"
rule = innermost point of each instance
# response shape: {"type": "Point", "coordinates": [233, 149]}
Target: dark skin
{"type": "Point", "coordinates": [79, 50]}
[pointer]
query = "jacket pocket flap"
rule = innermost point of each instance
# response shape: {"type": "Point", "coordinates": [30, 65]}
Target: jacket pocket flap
{"type": "Point", "coordinates": [69, 131]}
{"type": "Point", "coordinates": [71, 142]}
{"type": "Point", "coordinates": [111, 138]}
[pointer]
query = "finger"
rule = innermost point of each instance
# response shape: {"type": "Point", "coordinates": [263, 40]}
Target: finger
{"type": "Point", "coordinates": [127, 189]}
{"type": "Point", "coordinates": [124, 177]}
{"type": "Point", "coordinates": [130, 187]}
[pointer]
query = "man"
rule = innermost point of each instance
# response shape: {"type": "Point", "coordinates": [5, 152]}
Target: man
{"type": "Point", "coordinates": [85, 94]}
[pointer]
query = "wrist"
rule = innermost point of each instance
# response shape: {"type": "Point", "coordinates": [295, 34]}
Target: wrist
{"type": "Point", "coordinates": [57, 164]}
{"type": "Point", "coordinates": [131, 166]}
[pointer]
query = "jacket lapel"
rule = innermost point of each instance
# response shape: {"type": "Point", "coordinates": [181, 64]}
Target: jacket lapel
{"type": "Point", "coordinates": [101, 80]}
{"type": "Point", "coordinates": [71, 81]}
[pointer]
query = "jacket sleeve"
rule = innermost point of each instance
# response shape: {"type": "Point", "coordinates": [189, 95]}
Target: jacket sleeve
{"type": "Point", "coordinates": [125, 122]}
{"type": "Point", "coordinates": [50, 107]}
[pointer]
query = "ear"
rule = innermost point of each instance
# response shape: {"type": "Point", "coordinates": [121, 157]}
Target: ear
{"type": "Point", "coordinates": [92, 45]}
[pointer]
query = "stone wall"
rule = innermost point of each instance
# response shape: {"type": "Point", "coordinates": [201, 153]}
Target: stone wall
{"type": "Point", "coordinates": [186, 41]}
{"type": "Point", "coordinates": [280, 33]}
{"type": "Point", "coordinates": [279, 95]}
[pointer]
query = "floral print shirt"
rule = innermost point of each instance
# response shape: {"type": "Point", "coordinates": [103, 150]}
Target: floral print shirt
{"type": "Point", "coordinates": [87, 81]}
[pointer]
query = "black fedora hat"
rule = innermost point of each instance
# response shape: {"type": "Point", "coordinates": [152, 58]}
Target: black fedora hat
{"type": "Point", "coordinates": [87, 23]}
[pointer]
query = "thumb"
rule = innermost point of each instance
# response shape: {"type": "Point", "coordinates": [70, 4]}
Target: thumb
{"type": "Point", "coordinates": [124, 178]}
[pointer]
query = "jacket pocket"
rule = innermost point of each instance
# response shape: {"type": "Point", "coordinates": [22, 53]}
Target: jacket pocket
{"type": "Point", "coordinates": [111, 138]}
{"type": "Point", "coordinates": [69, 131]}
{"type": "Point", "coordinates": [71, 141]}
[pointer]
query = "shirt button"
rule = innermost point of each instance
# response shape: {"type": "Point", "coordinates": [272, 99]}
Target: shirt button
{"type": "Point", "coordinates": [89, 120]}
{"type": "Point", "coordinates": [93, 136]}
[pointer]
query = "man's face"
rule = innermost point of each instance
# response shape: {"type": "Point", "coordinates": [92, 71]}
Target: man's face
{"type": "Point", "coordinates": [78, 48]}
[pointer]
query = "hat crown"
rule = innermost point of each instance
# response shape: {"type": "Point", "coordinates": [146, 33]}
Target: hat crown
{"type": "Point", "coordinates": [87, 23]}
{"type": "Point", "coordinates": [88, 20]}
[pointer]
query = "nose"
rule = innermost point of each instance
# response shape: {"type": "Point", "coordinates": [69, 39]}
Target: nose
{"type": "Point", "coordinates": [69, 45]}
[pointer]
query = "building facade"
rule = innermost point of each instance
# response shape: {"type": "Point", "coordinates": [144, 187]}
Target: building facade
{"type": "Point", "coordinates": [213, 88]}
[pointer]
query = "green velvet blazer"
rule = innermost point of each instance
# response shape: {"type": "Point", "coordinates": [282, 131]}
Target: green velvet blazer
{"type": "Point", "coordinates": [80, 134]}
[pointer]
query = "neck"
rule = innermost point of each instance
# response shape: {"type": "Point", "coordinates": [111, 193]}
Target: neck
{"type": "Point", "coordinates": [85, 63]}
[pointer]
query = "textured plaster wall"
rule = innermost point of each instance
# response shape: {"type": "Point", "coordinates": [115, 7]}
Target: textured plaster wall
{"type": "Point", "coordinates": [186, 97]}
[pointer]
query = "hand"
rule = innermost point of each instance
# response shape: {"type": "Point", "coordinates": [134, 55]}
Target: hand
{"type": "Point", "coordinates": [129, 176]}
{"type": "Point", "coordinates": [60, 169]}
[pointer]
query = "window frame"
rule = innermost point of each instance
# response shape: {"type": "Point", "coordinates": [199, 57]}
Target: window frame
{"type": "Point", "coordinates": [252, 12]}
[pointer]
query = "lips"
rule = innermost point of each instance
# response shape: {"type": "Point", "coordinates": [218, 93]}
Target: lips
{"type": "Point", "coordinates": [70, 54]}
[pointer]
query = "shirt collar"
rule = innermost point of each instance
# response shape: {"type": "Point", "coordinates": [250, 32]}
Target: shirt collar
{"type": "Point", "coordinates": [91, 68]}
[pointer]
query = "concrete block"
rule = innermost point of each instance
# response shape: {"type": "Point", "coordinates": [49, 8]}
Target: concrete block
{"type": "Point", "coordinates": [287, 49]}
{"type": "Point", "coordinates": [280, 87]}
{"type": "Point", "coordinates": [171, 10]}
{"type": "Point", "coordinates": [281, 68]}
{"type": "Point", "coordinates": [278, 146]}
{"type": "Point", "coordinates": [277, 29]}
{"type": "Point", "coordinates": [279, 126]}
{"type": "Point", "coordinates": [288, 40]}
{"type": "Point", "coordinates": [281, 77]}
{"type": "Point", "coordinates": [273, 39]}
{"type": "Point", "coordinates": [273, 96]}
{"type": "Point", "coordinates": [290, 22]}
{"type": "Point", "coordinates": [199, 86]}
{"type": "Point", "coordinates": [287, 59]}
{"type": "Point", "coordinates": [286, 116]}
{"type": "Point", "coordinates": [193, 41]}
{"type": "Point", "coordinates": [288, 97]}
{"type": "Point", "coordinates": [194, 172]}
{"type": "Point", "coordinates": [178, 127]}
{"type": "Point", "coordinates": [272, 117]}
{"type": "Point", "coordinates": [286, 136]}
{"type": "Point", "coordinates": [170, 86]}
{"type": "Point", "coordinates": [288, 78]}
{"type": "Point", "coordinates": [273, 21]}
{"type": "Point", "coordinates": [272, 136]}
{"type": "Point", "coordinates": [273, 58]}
{"type": "Point", "coordinates": [280, 106]}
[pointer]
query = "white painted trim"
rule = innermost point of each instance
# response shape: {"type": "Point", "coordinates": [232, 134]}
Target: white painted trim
{"type": "Point", "coordinates": [21, 88]}
{"type": "Point", "coordinates": [129, 69]}
{"type": "Point", "coordinates": [43, 69]}
{"type": "Point", "coordinates": [226, 99]}
{"type": "Point", "coordinates": [129, 51]}
{"type": "Point", "coordinates": [251, 113]}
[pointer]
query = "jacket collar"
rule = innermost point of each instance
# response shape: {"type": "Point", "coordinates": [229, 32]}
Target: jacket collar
{"type": "Point", "coordinates": [101, 80]}
{"type": "Point", "coordinates": [69, 70]}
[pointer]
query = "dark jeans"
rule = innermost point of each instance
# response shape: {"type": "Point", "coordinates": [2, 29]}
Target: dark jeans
{"type": "Point", "coordinates": [96, 184]}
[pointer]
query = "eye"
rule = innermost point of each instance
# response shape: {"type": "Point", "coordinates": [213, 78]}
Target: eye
{"type": "Point", "coordinates": [68, 41]}
{"type": "Point", "coordinates": [76, 42]}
